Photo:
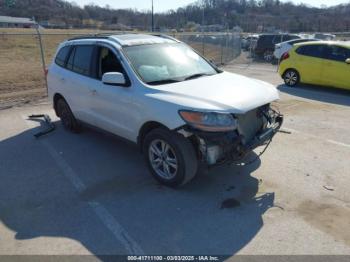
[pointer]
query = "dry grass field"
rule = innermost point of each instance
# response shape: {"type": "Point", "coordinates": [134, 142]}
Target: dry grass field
{"type": "Point", "coordinates": [21, 73]}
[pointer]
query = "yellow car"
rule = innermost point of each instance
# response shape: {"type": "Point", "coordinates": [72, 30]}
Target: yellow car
{"type": "Point", "coordinates": [318, 63]}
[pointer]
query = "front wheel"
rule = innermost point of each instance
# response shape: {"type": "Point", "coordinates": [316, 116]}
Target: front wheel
{"type": "Point", "coordinates": [291, 77]}
{"type": "Point", "coordinates": [170, 157]}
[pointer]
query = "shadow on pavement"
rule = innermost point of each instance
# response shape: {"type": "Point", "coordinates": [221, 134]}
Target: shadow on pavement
{"type": "Point", "coordinates": [219, 213]}
{"type": "Point", "coordinates": [322, 94]}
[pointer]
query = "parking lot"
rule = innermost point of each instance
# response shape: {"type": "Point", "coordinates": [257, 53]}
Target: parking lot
{"type": "Point", "coordinates": [67, 194]}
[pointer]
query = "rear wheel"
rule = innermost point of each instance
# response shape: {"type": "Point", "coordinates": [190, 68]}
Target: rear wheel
{"type": "Point", "coordinates": [291, 77]}
{"type": "Point", "coordinates": [268, 56]}
{"type": "Point", "coordinates": [170, 157]}
{"type": "Point", "coordinates": [68, 120]}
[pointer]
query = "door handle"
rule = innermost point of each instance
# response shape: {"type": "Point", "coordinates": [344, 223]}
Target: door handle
{"type": "Point", "coordinates": [63, 79]}
{"type": "Point", "coordinates": [94, 92]}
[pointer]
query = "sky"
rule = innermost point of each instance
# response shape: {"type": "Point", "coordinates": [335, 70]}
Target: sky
{"type": "Point", "coordinates": [164, 5]}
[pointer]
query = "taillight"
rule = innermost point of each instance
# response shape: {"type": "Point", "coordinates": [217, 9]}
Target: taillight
{"type": "Point", "coordinates": [285, 56]}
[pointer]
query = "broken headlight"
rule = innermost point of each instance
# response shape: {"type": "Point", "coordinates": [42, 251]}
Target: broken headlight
{"type": "Point", "coordinates": [209, 121]}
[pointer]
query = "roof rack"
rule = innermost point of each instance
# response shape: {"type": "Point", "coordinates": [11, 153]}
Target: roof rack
{"type": "Point", "coordinates": [109, 36]}
{"type": "Point", "coordinates": [167, 37]}
{"type": "Point", "coordinates": [97, 36]}
{"type": "Point", "coordinates": [88, 37]}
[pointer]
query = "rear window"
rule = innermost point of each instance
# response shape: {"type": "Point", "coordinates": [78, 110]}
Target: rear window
{"type": "Point", "coordinates": [266, 39]}
{"type": "Point", "coordinates": [62, 56]}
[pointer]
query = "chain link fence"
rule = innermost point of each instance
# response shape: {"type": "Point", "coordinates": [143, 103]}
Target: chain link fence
{"type": "Point", "coordinates": [21, 66]}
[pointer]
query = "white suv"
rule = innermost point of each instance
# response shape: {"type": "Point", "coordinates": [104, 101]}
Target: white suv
{"type": "Point", "coordinates": [159, 93]}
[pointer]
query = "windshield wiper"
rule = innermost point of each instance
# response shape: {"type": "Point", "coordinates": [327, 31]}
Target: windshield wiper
{"type": "Point", "coordinates": [197, 76]}
{"type": "Point", "coordinates": [163, 82]}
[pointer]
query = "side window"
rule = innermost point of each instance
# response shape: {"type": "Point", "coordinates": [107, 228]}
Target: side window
{"type": "Point", "coordinates": [292, 37]}
{"type": "Point", "coordinates": [82, 59]}
{"type": "Point", "coordinates": [311, 50]}
{"type": "Point", "coordinates": [337, 53]}
{"type": "Point", "coordinates": [62, 56]}
{"type": "Point", "coordinates": [107, 62]}
{"type": "Point", "coordinates": [277, 39]}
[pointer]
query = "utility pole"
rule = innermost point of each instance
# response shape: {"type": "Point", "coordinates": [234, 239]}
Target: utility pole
{"type": "Point", "coordinates": [152, 17]}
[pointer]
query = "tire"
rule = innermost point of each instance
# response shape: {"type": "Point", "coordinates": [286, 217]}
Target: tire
{"type": "Point", "coordinates": [178, 151]}
{"type": "Point", "coordinates": [67, 118]}
{"type": "Point", "coordinates": [291, 77]}
{"type": "Point", "coordinates": [268, 56]}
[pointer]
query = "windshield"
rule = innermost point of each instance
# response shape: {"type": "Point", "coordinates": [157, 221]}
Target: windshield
{"type": "Point", "coordinates": [167, 63]}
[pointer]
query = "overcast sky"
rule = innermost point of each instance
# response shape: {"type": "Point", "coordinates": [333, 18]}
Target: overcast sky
{"type": "Point", "coordinates": [164, 5]}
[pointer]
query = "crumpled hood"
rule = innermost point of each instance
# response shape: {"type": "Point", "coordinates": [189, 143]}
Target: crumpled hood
{"type": "Point", "coordinates": [222, 92]}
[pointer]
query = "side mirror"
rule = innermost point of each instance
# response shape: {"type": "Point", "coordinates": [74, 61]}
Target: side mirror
{"type": "Point", "coordinates": [347, 61]}
{"type": "Point", "coordinates": [113, 78]}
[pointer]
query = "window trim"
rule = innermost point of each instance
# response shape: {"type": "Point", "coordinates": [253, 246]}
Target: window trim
{"type": "Point", "coordinates": [95, 63]}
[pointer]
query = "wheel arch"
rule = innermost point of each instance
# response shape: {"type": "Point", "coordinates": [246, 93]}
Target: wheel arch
{"type": "Point", "coordinates": [291, 68]}
{"type": "Point", "coordinates": [145, 129]}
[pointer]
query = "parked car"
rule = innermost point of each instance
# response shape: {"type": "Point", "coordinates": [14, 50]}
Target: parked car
{"type": "Point", "coordinates": [155, 91]}
{"type": "Point", "coordinates": [266, 44]}
{"type": "Point", "coordinates": [248, 43]}
{"type": "Point", "coordinates": [323, 36]}
{"type": "Point", "coordinates": [284, 47]}
{"type": "Point", "coordinates": [319, 63]}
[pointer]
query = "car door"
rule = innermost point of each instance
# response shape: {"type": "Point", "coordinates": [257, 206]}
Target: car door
{"type": "Point", "coordinates": [113, 106]}
{"type": "Point", "coordinates": [310, 63]}
{"type": "Point", "coordinates": [337, 71]}
{"type": "Point", "coordinates": [77, 81]}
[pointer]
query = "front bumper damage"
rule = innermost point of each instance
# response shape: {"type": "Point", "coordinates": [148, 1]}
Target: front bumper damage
{"type": "Point", "coordinates": [256, 128]}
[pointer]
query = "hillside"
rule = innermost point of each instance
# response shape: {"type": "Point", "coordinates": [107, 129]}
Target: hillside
{"type": "Point", "coordinates": [251, 15]}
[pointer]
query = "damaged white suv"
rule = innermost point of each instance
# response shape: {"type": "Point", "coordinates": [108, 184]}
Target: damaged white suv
{"type": "Point", "coordinates": [159, 93]}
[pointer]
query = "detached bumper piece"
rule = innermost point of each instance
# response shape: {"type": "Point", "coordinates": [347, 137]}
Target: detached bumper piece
{"type": "Point", "coordinates": [257, 129]}
{"type": "Point", "coordinates": [47, 120]}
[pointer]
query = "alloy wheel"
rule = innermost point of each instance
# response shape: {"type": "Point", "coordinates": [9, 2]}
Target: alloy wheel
{"type": "Point", "coordinates": [163, 159]}
{"type": "Point", "coordinates": [291, 78]}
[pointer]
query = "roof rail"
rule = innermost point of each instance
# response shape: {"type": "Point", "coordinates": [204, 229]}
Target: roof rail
{"type": "Point", "coordinates": [88, 37]}
{"type": "Point", "coordinates": [97, 36]}
{"type": "Point", "coordinates": [167, 37]}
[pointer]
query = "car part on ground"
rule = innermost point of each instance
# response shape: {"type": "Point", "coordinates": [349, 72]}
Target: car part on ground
{"type": "Point", "coordinates": [47, 120]}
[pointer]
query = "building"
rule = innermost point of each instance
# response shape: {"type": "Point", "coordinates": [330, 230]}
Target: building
{"type": "Point", "coordinates": [16, 22]}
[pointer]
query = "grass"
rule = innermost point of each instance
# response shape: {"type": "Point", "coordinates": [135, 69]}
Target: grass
{"type": "Point", "coordinates": [21, 72]}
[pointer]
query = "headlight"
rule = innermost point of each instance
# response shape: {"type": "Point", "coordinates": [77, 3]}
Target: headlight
{"type": "Point", "coordinates": [210, 122]}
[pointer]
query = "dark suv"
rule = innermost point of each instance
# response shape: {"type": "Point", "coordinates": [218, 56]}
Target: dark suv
{"type": "Point", "coordinates": [266, 44]}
